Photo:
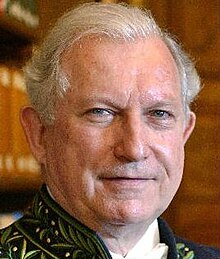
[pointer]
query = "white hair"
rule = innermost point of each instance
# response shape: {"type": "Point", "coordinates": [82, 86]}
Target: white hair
{"type": "Point", "coordinates": [45, 80]}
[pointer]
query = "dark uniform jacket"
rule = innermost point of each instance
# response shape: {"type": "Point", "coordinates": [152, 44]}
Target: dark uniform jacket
{"type": "Point", "coordinates": [47, 231]}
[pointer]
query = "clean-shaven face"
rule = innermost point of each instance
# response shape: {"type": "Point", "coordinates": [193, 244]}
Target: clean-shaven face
{"type": "Point", "coordinates": [115, 152]}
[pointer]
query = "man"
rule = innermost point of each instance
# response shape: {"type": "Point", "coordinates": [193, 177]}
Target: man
{"type": "Point", "coordinates": [110, 116]}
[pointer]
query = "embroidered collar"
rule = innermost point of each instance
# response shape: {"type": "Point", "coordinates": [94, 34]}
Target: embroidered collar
{"type": "Point", "coordinates": [183, 252]}
{"type": "Point", "coordinates": [49, 232]}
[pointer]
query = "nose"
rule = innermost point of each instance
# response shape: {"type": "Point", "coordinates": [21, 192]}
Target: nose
{"type": "Point", "coordinates": [132, 145]}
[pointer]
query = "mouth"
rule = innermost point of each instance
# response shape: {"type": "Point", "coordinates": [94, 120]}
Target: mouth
{"type": "Point", "coordinates": [126, 182]}
{"type": "Point", "coordinates": [127, 178]}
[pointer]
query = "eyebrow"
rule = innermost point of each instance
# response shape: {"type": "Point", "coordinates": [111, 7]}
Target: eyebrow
{"type": "Point", "coordinates": [100, 100]}
{"type": "Point", "coordinates": [164, 103]}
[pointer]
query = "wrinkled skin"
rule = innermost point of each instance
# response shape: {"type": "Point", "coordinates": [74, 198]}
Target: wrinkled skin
{"type": "Point", "coordinates": [115, 153]}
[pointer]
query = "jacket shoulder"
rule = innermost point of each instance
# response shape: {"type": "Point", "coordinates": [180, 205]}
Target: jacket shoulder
{"type": "Point", "coordinates": [183, 248]}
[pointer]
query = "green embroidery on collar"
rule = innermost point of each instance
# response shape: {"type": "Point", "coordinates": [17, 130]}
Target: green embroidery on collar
{"type": "Point", "coordinates": [184, 252]}
{"type": "Point", "coordinates": [48, 232]}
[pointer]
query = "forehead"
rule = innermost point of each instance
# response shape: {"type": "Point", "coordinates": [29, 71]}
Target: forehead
{"type": "Point", "coordinates": [99, 50]}
{"type": "Point", "coordinates": [98, 65]}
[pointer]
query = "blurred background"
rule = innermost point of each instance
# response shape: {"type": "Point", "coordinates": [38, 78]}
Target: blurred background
{"type": "Point", "coordinates": [195, 212]}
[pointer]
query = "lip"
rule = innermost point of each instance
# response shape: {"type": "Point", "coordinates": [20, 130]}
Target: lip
{"type": "Point", "coordinates": [126, 182]}
{"type": "Point", "coordinates": [127, 178]}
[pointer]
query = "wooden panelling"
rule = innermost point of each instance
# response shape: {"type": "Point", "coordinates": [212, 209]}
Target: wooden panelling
{"type": "Point", "coordinates": [197, 23]}
{"type": "Point", "coordinates": [51, 10]}
{"type": "Point", "coordinates": [189, 217]}
{"type": "Point", "coordinates": [202, 151]}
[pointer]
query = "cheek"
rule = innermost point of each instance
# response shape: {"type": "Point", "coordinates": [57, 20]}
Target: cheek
{"type": "Point", "coordinates": [55, 152]}
{"type": "Point", "coordinates": [172, 158]}
{"type": "Point", "coordinates": [85, 146]}
{"type": "Point", "coordinates": [91, 145]}
{"type": "Point", "coordinates": [170, 152]}
{"type": "Point", "coordinates": [76, 146]}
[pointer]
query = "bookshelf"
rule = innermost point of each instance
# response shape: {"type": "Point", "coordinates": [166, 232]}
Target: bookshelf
{"type": "Point", "coordinates": [19, 171]}
{"type": "Point", "coordinates": [16, 28]}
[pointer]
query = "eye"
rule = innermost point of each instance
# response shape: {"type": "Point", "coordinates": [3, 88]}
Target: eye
{"type": "Point", "coordinates": [100, 115]}
{"type": "Point", "coordinates": [161, 114]}
{"type": "Point", "coordinates": [100, 112]}
{"type": "Point", "coordinates": [161, 119]}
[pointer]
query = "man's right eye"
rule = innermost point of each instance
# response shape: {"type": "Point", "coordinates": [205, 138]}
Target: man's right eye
{"type": "Point", "coordinates": [100, 112]}
{"type": "Point", "coordinates": [100, 115]}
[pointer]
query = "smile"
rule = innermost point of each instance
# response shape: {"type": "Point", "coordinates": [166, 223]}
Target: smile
{"type": "Point", "coordinates": [127, 179]}
{"type": "Point", "coordinates": [126, 182]}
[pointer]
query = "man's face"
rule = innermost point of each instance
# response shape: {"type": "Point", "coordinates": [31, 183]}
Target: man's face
{"type": "Point", "coordinates": [115, 152]}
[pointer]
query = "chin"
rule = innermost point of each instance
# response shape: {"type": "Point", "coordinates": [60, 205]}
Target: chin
{"type": "Point", "coordinates": [134, 214]}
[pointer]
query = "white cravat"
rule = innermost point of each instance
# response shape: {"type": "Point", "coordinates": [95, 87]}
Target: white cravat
{"type": "Point", "coordinates": [148, 247]}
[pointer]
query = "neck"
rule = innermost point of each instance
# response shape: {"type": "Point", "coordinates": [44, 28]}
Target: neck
{"type": "Point", "coordinates": [120, 239]}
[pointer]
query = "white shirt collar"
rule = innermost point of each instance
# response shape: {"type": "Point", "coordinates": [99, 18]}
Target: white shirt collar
{"type": "Point", "coordinates": [148, 246]}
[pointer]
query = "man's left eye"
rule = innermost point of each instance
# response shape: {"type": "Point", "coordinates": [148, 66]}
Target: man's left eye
{"type": "Point", "coordinates": [161, 114]}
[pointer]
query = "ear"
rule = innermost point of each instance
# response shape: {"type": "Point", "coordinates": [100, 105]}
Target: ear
{"type": "Point", "coordinates": [34, 130]}
{"type": "Point", "coordinates": [189, 127]}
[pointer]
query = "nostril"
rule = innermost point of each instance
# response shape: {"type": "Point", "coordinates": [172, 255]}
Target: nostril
{"type": "Point", "coordinates": [132, 152]}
